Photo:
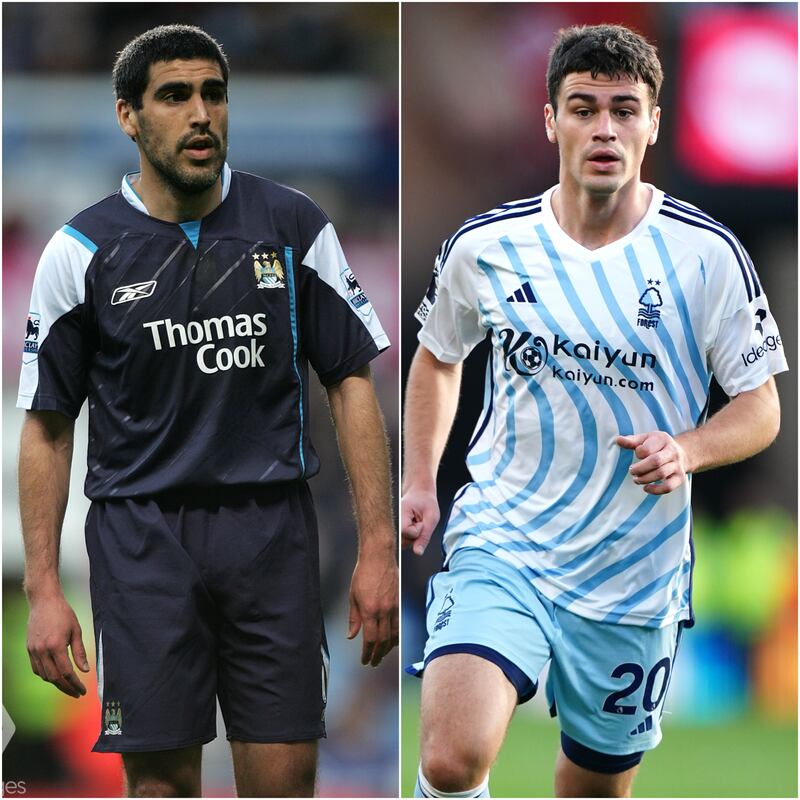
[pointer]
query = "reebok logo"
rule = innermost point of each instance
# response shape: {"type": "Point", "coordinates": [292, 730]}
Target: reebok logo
{"type": "Point", "coordinates": [136, 291]}
{"type": "Point", "coordinates": [522, 295]}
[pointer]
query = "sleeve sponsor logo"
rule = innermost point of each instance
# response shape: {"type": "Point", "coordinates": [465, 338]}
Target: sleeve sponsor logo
{"type": "Point", "coordinates": [771, 343]}
{"type": "Point", "coordinates": [761, 315]}
{"type": "Point", "coordinates": [136, 291]}
{"type": "Point", "coordinates": [32, 333]}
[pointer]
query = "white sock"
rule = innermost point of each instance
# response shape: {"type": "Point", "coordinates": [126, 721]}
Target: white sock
{"type": "Point", "coordinates": [429, 791]}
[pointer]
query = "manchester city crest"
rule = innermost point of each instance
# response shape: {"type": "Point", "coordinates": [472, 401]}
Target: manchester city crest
{"type": "Point", "coordinates": [113, 718]}
{"type": "Point", "coordinates": [269, 271]}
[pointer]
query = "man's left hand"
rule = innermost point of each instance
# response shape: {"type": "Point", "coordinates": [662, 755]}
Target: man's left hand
{"type": "Point", "coordinates": [663, 463]}
{"type": "Point", "coordinates": [374, 601]}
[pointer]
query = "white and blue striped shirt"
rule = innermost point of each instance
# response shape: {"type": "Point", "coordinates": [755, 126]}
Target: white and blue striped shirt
{"type": "Point", "coordinates": [589, 344]}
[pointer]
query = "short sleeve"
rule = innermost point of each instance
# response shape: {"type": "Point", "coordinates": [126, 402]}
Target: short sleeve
{"type": "Point", "coordinates": [451, 322]}
{"type": "Point", "coordinates": [340, 329]}
{"type": "Point", "coordinates": [54, 358]}
{"type": "Point", "coordinates": [744, 345]}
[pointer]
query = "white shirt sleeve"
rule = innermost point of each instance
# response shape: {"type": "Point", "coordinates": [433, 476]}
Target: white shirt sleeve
{"type": "Point", "coordinates": [58, 288]}
{"type": "Point", "coordinates": [449, 313]}
{"type": "Point", "coordinates": [327, 259]}
{"type": "Point", "coordinates": [744, 346]}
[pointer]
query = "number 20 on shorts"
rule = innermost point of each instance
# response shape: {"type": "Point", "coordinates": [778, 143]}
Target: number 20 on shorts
{"type": "Point", "coordinates": [660, 671]}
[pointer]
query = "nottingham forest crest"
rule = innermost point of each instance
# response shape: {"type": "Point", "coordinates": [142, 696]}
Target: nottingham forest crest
{"type": "Point", "coordinates": [269, 271]}
{"type": "Point", "coordinates": [650, 304]}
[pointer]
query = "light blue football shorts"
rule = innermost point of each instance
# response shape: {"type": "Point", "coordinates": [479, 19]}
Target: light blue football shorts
{"type": "Point", "coordinates": [607, 682]}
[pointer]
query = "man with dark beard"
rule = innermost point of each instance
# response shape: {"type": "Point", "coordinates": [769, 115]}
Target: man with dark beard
{"type": "Point", "coordinates": [186, 308]}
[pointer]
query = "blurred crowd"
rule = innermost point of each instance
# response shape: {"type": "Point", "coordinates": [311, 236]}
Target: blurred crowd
{"type": "Point", "coordinates": [302, 39]}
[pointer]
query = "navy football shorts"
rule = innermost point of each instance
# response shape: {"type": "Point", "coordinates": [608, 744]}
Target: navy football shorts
{"type": "Point", "coordinates": [211, 594]}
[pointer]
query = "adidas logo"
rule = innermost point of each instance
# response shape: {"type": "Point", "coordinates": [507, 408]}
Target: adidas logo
{"type": "Point", "coordinates": [522, 295]}
{"type": "Point", "coordinates": [647, 725]}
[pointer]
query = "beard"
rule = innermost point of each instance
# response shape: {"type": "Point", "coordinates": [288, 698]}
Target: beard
{"type": "Point", "coordinates": [178, 178]}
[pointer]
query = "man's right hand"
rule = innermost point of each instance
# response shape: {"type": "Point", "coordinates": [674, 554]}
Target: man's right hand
{"type": "Point", "coordinates": [52, 627]}
{"type": "Point", "coordinates": [419, 513]}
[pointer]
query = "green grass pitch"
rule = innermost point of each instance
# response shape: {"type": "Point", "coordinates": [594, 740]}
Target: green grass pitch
{"type": "Point", "coordinates": [749, 757]}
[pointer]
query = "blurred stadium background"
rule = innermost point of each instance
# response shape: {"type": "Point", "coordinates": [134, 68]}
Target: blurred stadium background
{"type": "Point", "coordinates": [313, 104]}
{"type": "Point", "coordinates": [473, 88]}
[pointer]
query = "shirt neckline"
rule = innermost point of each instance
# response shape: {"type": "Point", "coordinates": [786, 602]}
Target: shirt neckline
{"type": "Point", "coordinates": [567, 242]}
{"type": "Point", "coordinates": [129, 193]}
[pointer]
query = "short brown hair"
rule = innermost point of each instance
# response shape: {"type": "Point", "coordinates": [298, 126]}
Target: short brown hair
{"type": "Point", "coordinates": [611, 50]}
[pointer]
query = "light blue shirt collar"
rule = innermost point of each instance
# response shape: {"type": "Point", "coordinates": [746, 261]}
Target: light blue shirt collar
{"type": "Point", "coordinates": [129, 193]}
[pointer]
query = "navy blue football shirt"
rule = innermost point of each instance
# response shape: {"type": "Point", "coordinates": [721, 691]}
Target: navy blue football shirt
{"type": "Point", "coordinates": [192, 341]}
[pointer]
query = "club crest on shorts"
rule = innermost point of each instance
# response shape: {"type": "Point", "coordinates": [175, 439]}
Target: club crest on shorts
{"type": "Point", "coordinates": [649, 303]}
{"type": "Point", "coordinates": [443, 619]}
{"type": "Point", "coordinates": [269, 271]}
{"type": "Point", "coordinates": [112, 718]}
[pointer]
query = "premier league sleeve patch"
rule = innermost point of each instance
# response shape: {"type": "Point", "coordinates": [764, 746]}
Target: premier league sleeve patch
{"type": "Point", "coordinates": [355, 294]}
{"type": "Point", "coordinates": [426, 305]}
{"type": "Point", "coordinates": [31, 346]}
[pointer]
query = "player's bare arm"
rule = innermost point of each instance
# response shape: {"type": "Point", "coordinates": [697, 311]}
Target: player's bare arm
{"type": "Point", "coordinates": [374, 593]}
{"type": "Point", "coordinates": [430, 408]}
{"type": "Point", "coordinates": [44, 466]}
{"type": "Point", "coordinates": [745, 426]}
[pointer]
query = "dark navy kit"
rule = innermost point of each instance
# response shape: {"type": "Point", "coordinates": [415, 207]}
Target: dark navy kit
{"type": "Point", "coordinates": [191, 343]}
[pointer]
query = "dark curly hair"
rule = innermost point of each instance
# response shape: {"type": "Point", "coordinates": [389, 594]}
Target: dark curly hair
{"type": "Point", "coordinates": [611, 50]}
{"type": "Point", "coordinates": [164, 43]}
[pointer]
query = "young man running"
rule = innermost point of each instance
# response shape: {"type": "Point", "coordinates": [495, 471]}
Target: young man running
{"type": "Point", "coordinates": [609, 306]}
